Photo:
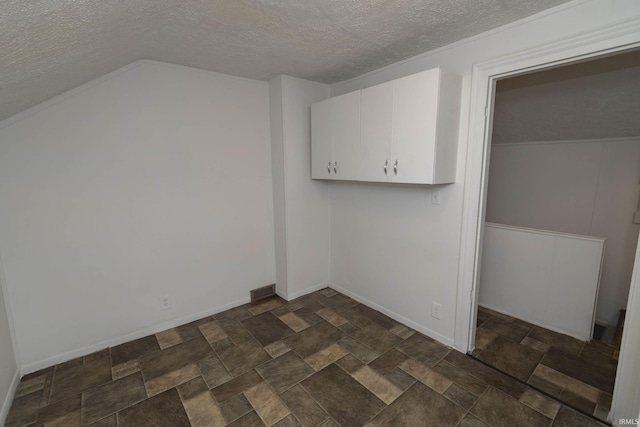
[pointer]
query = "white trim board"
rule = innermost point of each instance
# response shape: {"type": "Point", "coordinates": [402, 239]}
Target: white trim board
{"type": "Point", "coordinates": [544, 232]}
{"type": "Point", "coordinates": [6, 405]}
{"type": "Point", "coordinates": [7, 303]}
{"type": "Point", "coordinates": [32, 367]}
{"type": "Point", "coordinates": [592, 44]}
{"type": "Point", "coordinates": [547, 327]}
{"type": "Point", "coordinates": [305, 291]}
{"type": "Point", "coordinates": [609, 40]}
{"type": "Point", "coordinates": [395, 316]}
{"type": "Point", "coordinates": [370, 304]}
{"type": "Point", "coordinates": [567, 141]}
{"type": "Point", "coordinates": [626, 392]}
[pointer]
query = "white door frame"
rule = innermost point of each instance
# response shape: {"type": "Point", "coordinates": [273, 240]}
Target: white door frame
{"type": "Point", "coordinates": [626, 391]}
{"type": "Point", "coordinates": [606, 41]}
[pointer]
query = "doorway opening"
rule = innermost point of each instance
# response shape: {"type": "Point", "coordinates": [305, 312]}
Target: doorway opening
{"type": "Point", "coordinates": [561, 228]}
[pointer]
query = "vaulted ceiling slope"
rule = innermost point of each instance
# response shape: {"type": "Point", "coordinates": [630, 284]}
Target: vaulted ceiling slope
{"type": "Point", "coordinates": [50, 46]}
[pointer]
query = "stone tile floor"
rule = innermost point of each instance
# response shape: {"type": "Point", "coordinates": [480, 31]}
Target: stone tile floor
{"type": "Point", "coordinates": [320, 360]}
{"type": "Point", "coordinates": [580, 374]}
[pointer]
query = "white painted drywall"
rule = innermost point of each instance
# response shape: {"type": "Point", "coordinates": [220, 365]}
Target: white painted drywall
{"type": "Point", "coordinates": [9, 370]}
{"type": "Point", "coordinates": [582, 187]}
{"type": "Point", "coordinates": [301, 205]}
{"type": "Point", "coordinates": [627, 385]}
{"type": "Point", "coordinates": [545, 278]}
{"type": "Point", "coordinates": [277, 181]}
{"type": "Point", "coordinates": [391, 246]}
{"type": "Point", "coordinates": [384, 250]}
{"type": "Point", "coordinates": [153, 181]}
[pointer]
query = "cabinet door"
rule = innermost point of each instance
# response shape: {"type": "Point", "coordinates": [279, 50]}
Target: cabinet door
{"type": "Point", "coordinates": [375, 133]}
{"type": "Point", "coordinates": [321, 140]}
{"type": "Point", "coordinates": [415, 115]}
{"type": "Point", "coordinates": [345, 135]}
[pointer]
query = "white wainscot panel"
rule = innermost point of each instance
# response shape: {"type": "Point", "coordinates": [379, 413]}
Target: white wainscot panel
{"type": "Point", "coordinates": [546, 278]}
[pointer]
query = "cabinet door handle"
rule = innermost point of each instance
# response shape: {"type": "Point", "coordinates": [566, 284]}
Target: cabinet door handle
{"type": "Point", "coordinates": [329, 167]}
{"type": "Point", "coordinates": [395, 168]}
{"type": "Point", "coordinates": [386, 163]}
{"type": "Point", "coordinates": [335, 167]}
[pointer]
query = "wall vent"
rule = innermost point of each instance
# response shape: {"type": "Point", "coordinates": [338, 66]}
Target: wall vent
{"type": "Point", "coordinates": [262, 293]}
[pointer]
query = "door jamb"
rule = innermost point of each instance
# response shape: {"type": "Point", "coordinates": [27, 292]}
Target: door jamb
{"type": "Point", "coordinates": [607, 41]}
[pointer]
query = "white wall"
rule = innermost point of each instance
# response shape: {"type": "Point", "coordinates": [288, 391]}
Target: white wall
{"type": "Point", "coordinates": [580, 187]}
{"type": "Point", "coordinates": [9, 373]}
{"type": "Point", "coordinates": [152, 181]}
{"type": "Point", "coordinates": [545, 278]}
{"type": "Point", "coordinates": [278, 177]}
{"type": "Point", "coordinates": [301, 205]}
{"type": "Point", "coordinates": [390, 246]}
{"type": "Point", "coordinates": [383, 250]}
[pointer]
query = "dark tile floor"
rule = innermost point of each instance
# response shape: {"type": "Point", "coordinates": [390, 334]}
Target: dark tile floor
{"type": "Point", "coordinates": [580, 374]}
{"type": "Point", "coordinates": [320, 360]}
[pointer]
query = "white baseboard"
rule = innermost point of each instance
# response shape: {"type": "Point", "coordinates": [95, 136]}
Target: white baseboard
{"type": "Point", "coordinates": [606, 323]}
{"type": "Point", "coordinates": [306, 291]}
{"type": "Point", "coordinates": [8, 400]}
{"type": "Point", "coordinates": [536, 323]}
{"type": "Point", "coordinates": [395, 316]}
{"type": "Point", "coordinates": [282, 294]}
{"type": "Point", "coordinates": [45, 363]}
{"type": "Point", "coordinates": [32, 367]}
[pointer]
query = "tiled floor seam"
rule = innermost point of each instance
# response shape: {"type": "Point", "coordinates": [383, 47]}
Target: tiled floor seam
{"type": "Point", "coordinates": [468, 411]}
{"type": "Point", "coordinates": [540, 391]}
{"type": "Point", "coordinates": [475, 403]}
{"type": "Point", "coordinates": [529, 377]}
{"type": "Point", "coordinates": [82, 401]}
{"type": "Point", "coordinates": [50, 391]}
{"type": "Point", "coordinates": [223, 364]}
{"type": "Point", "coordinates": [320, 405]}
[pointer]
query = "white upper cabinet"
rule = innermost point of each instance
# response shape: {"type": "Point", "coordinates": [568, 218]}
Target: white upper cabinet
{"type": "Point", "coordinates": [376, 133]}
{"type": "Point", "coordinates": [415, 127]}
{"type": "Point", "coordinates": [408, 131]}
{"type": "Point", "coordinates": [335, 137]}
{"type": "Point", "coordinates": [410, 125]}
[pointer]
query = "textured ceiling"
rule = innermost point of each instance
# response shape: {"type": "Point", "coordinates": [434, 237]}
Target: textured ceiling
{"type": "Point", "coordinates": [588, 100]}
{"type": "Point", "coordinates": [50, 46]}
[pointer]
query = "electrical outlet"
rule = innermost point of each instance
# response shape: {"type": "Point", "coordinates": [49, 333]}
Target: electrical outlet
{"type": "Point", "coordinates": [436, 310]}
{"type": "Point", "coordinates": [165, 303]}
{"type": "Point", "coordinates": [435, 197]}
